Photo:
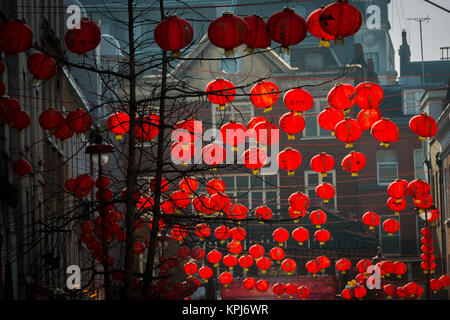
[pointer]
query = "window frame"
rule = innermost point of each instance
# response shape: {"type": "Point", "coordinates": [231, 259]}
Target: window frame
{"type": "Point", "coordinates": [314, 113]}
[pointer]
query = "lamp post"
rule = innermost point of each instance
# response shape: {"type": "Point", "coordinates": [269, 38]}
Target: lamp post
{"type": "Point", "coordinates": [99, 151]}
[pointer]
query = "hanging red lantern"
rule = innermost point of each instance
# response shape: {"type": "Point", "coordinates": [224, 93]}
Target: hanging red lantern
{"type": "Point", "coordinates": [323, 262]}
{"type": "Point", "coordinates": [263, 264]}
{"type": "Point", "coordinates": [51, 119]}
{"type": "Point", "coordinates": [423, 125]}
{"type": "Point", "coordinates": [329, 117]}
{"type": "Point", "coordinates": [183, 153]}
{"type": "Point", "coordinates": [367, 117]}
{"type": "Point", "coordinates": [230, 261]}
{"type": "Point", "coordinates": [180, 199]}
{"type": "Point", "coordinates": [225, 278]}
{"type": "Point", "coordinates": [262, 285]}
{"type": "Point", "coordinates": [426, 232]}
{"type": "Point", "coordinates": [138, 248]}
{"type": "Point", "coordinates": [427, 248]}
{"type": "Point", "coordinates": [300, 235]}
{"type": "Point", "coordinates": [173, 34]}
{"type": "Point", "coordinates": [387, 267]}
{"type": "Point", "coordinates": [411, 289]}
{"type": "Point", "coordinates": [221, 203]}
{"type": "Point", "coordinates": [298, 100]}
{"type": "Point", "coordinates": [292, 123]}
{"type": "Point", "coordinates": [347, 294]}
{"type": "Point", "coordinates": [237, 212]}
{"type": "Point", "coordinates": [190, 268]}
{"type": "Point", "coordinates": [79, 121]}
{"type": "Point", "coordinates": [354, 162]}
{"type": "Point", "coordinates": [418, 189]}
{"type": "Point", "coordinates": [389, 290]}
{"type": "Point", "coordinates": [371, 219]}
{"type": "Point", "coordinates": [322, 236]}
{"type": "Point", "coordinates": [289, 159]}
{"type": "Point", "coordinates": [322, 163]}
{"type": "Point", "coordinates": [385, 131]}
{"type": "Point", "coordinates": [291, 290]}
{"type": "Point", "coordinates": [343, 265]}
{"type": "Point", "coordinates": [203, 205]}
{"type": "Point", "coordinates": [340, 19]}
{"type": "Point", "coordinates": [396, 205]}
{"type": "Point", "coordinates": [246, 261]}
{"type": "Point", "coordinates": [22, 167]}
{"type": "Point", "coordinates": [362, 265]}
{"type": "Point", "coordinates": [63, 132]}
{"type": "Point", "coordinates": [179, 233]}
{"type": "Point", "coordinates": [205, 273]}
{"type": "Point", "coordinates": [257, 33]}
{"type": "Point", "coordinates": [256, 251]}
{"type": "Point", "coordinates": [303, 292]}
{"type": "Point", "coordinates": [188, 185]}
{"type": "Point", "coordinates": [342, 96]}
{"type": "Point", "coordinates": [318, 217]}
{"type": "Point", "coordinates": [264, 94]}
{"type": "Point", "coordinates": [435, 285]}
{"type": "Point", "coordinates": [263, 212]}
{"type": "Point", "coordinates": [398, 189]}
{"type": "Point", "coordinates": [238, 233]}
{"type": "Point", "coordinates": [287, 28]}
{"type": "Point", "coordinates": [85, 182]}
{"type": "Point", "coordinates": [299, 201]}
{"type": "Point", "coordinates": [368, 95]}
{"type": "Point", "coordinates": [214, 257]}
{"type": "Point", "coordinates": [119, 124]}
{"type": "Point", "coordinates": [391, 226]}
{"type": "Point", "coordinates": [254, 159]}
{"type": "Point", "coordinates": [266, 133]}
{"type": "Point", "coordinates": [8, 108]}
{"type": "Point", "coordinates": [249, 283]}
{"type": "Point", "coordinates": [83, 39]}
{"type": "Point", "coordinates": [348, 131]}
{"type": "Point", "coordinates": [42, 66]}
{"type": "Point", "coordinates": [400, 268]}
{"type": "Point", "coordinates": [16, 36]}
{"type": "Point", "coordinates": [222, 233]}
{"type": "Point", "coordinates": [212, 154]}
{"type": "Point", "coordinates": [280, 235]}
{"type": "Point", "coordinates": [289, 265]}
{"type": "Point", "coordinates": [296, 214]}
{"type": "Point", "coordinates": [360, 292]}
{"type": "Point", "coordinates": [233, 134]}
{"type": "Point", "coordinates": [325, 191]}
{"type": "Point", "coordinates": [312, 267]}
{"type": "Point", "coordinates": [70, 185]}
{"type": "Point", "coordinates": [444, 280]}
{"type": "Point", "coordinates": [164, 184]}
{"type": "Point", "coordinates": [430, 215]}
{"type": "Point", "coordinates": [235, 247]}
{"type": "Point", "coordinates": [215, 186]}
{"type": "Point", "coordinates": [220, 92]}
{"type": "Point", "coordinates": [252, 124]}
{"type": "Point", "coordinates": [20, 120]}
{"type": "Point", "coordinates": [279, 289]}
{"type": "Point", "coordinates": [202, 230]}
{"type": "Point", "coordinates": [228, 32]}
{"type": "Point", "coordinates": [183, 252]}
{"type": "Point", "coordinates": [277, 254]}
{"type": "Point", "coordinates": [313, 24]}
{"type": "Point", "coordinates": [107, 194]}
{"type": "Point", "coordinates": [424, 203]}
{"type": "Point", "coordinates": [146, 129]}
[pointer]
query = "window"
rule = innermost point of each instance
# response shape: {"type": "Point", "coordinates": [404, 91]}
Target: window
{"type": "Point", "coordinates": [236, 112]}
{"type": "Point", "coordinates": [232, 66]}
{"type": "Point", "coordinates": [312, 180]}
{"type": "Point", "coordinates": [419, 167]}
{"type": "Point", "coordinates": [389, 244]}
{"type": "Point", "coordinates": [312, 128]}
{"type": "Point", "coordinates": [374, 57]}
{"type": "Point", "coordinates": [411, 101]}
{"type": "Point", "coordinates": [387, 166]}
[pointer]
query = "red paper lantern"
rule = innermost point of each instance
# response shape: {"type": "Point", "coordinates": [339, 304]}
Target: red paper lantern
{"type": "Point", "coordinates": [119, 124]}
{"type": "Point", "coordinates": [266, 133]}
{"type": "Point", "coordinates": [323, 262]}
{"type": "Point", "coordinates": [340, 19]}
{"type": "Point", "coordinates": [354, 162]}
{"type": "Point", "coordinates": [303, 292]}
{"type": "Point", "coordinates": [214, 257]}
{"type": "Point", "coordinates": [396, 205]}
{"type": "Point", "coordinates": [183, 153]}
{"type": "Point", "coordinates": [300, 235]}
{"type": "Point", "coordinates": [254, 159]}
{"type": "Point", "coordinates": [280, 235]}
{"type": "Point", "coordinates": [8, 108]}
{"type": "Point", "coordinates": [343, 265]}
{"type": "Point", "coordinates": [173, 34]}
{"type": "Point", "coordinates": [238, 212]}
{"type": "Point", "coordinates": [138, 248]}
{"type": "Point", "coordinates": [362, 265]}
{"type": "Point", "coordinates": [296, 214]}
{"type": "Point", "coordinates": [70, 185]}
{"type": "Point", "coordinates": [418, 189]}
{"type": "Point", "coordinates": [63, 132]}
{"type": "Point", "coordinates": [228, 32]}
{"type": "Point", "coordinates": [411, 289]}
{"type": "Point", "coordinates": [322, 236]}
{"type": "Point", "coordinates": [215, 186]}
{"type": "Point", "coordinates": [342, 96]}
{"type": "Point", "coordinates": [291, 289]}
{"type": "Point", "coordinates": [391, 226]}
{"type": "Point", "coordinates": [222, 233]}
{"type": "Point", "coordinates": [235, 247]}
{"type": "Point", "coordinates": [263, 264]}
{"type": "Point", "coordinates": [360, 292]}
{"type": "Point", "coordinates": [435, 285]}
{"type": "Point", "coordinates": [246, 261]}
{"type": "Point", "coordinates": [425, 203]}
{"type": "Point", "coordinates": [444, 280]}
{"type": "Point", "coordinates": [387, 267]}
{"type": "Point", "coordinates": [390, 290]}
{"type": "Point", "coordinates": [423, 125]}
{"type": "Point", "coordinates": [263, 212]}
{"type": "Point", "coordinates": [205, 273]}
{"type": "Point", "coordinates": [249, 283]}
{"type": "Point", "coordinates": [262, 285]}
{"type": "Point", "coordinates": [146, 129]}
{"type": "Point", "coordinates": [79, 121]}
{"type": "Point", "coordinates": [367, 117]}
{"type": "Point", "coordinates": [264, 94]}
{"type": "Point", "coordinates": [190, 268]}
{"type": "Point", "coordinates": [329, 117]}
{"type": "Point", "coordinates": [16, 36]}
{"type": "Point", "coordinates": [179, 233]}
{"type": "Point", "coordinates": [221, 203]}
{"type": "Point", "coordinates": [256, 251]}
{"type": "Point", "coordinates": [279, 289]}
{"type": "Point", "coordinates": [312, 267]}
{"type": "Point", "coordinates": [277, 254]}
{"type": "Point", "coordinates": [398, 189]}
{"type": "Point", "coordinates": [51, 119]}
{"type": "Point", "coordinates": [203, 205]}
{"type": "Point", "coordinates": [426, 232]}
{"type": "Point", "coordinates": [252, 124]}
{"type": "Point", "coordinates": [292, 123]}
{"type": "Point", "coordinates": [42, 66]}
{"type": "Point", "coordinates": [212, 154]}
{"type": "Point", "coordinates": [348, 131]}
{"type": "Point", "coordinates": [180, 199]}
{"type": "Point", "coordinates": [230, 261]}
{"type": "Point", "coordinates": [202, 230]}
{"type": "Point", "coordinates": [233, 134]}
{"type": "Point", "coordinates": [298, 100]}
{"type": "Point", "coordinates": [225, 278]}
{"type": "Point", "coordinates": [188, 185]}
{"type": "Point", "coordinates": [371, 219]}
{"type": "Point", "coordinates": [84, 39]}
{"type": "Point", "coordinates": [385, 131]}
{"type": "Point", "coordinates": [288, 265]}
{"type": "Point", "coordinates": [346, 294]}
{"type": "Point", "coordinates": [22, 167]}
{"type": "Point", "coordinates": [318, 217]}
{"type": "Point", "coordinates": [287, 28]}
{"type": "Point", "coordinates": [325, 191]}
{"type": "Point", "coordinates": [400, 268]}
{"type": "Point", "coordinates": [20, 120]}
{"type": "Point", "coordinates": [257, 33]}
{"type": "Point", "coordinates": [368, 95]}
{"type": "Point", "coordinates": [299, 201]}
{"type": "Point", "coordinates": [289, 160]}
{"type": "Point", "coordinates": [313, 24]}
{"type": "Point", "coordinates": [238, 233]}
{"type": "Point", "coordinates": [221, 92]}
{"type": "Point", "coordinates": [322, 163]}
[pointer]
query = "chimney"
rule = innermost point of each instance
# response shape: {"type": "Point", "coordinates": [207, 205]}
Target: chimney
{"type": "Point", "coordinates": [405, 55]}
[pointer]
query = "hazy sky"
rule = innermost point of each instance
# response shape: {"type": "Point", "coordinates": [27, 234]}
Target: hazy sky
{"type": "Point", "coordinates": [435, 33]}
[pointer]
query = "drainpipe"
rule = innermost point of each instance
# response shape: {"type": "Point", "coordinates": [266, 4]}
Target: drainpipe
{"type": "Point", "coordinates": [442, 208]}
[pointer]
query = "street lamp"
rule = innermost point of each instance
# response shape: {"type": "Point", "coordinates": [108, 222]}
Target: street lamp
{"type": "Point", "coordinates": [99, 154]}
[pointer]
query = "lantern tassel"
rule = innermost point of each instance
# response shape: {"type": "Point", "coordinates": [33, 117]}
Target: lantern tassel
{"type": "Point", "coordinates": [229, 53]}
{"type": "Point", "coordinates": [119, 137]}
{"type": "Point", "coordinates": [291, 137]}
{"type": "Point", "coordinates": [176, 54]}
{"type": "Point", "coordinates": [324, 43]}
{"type": "Point", "coordinates": [354, 174]}
{"type": "Point", "coordinates": [349, 145]}
{"type": "Point", "coordinates": [249, 49]}
{"type": "Point", "coordinates": [291, 173]}
{"type": "Point", "coordinates": [267, 109]}
{"type": "Point", "coordinates": [221, 107]}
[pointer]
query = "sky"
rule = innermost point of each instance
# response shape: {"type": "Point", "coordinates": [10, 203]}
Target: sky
{"type": "Point", "coordinates": [435, 33]}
